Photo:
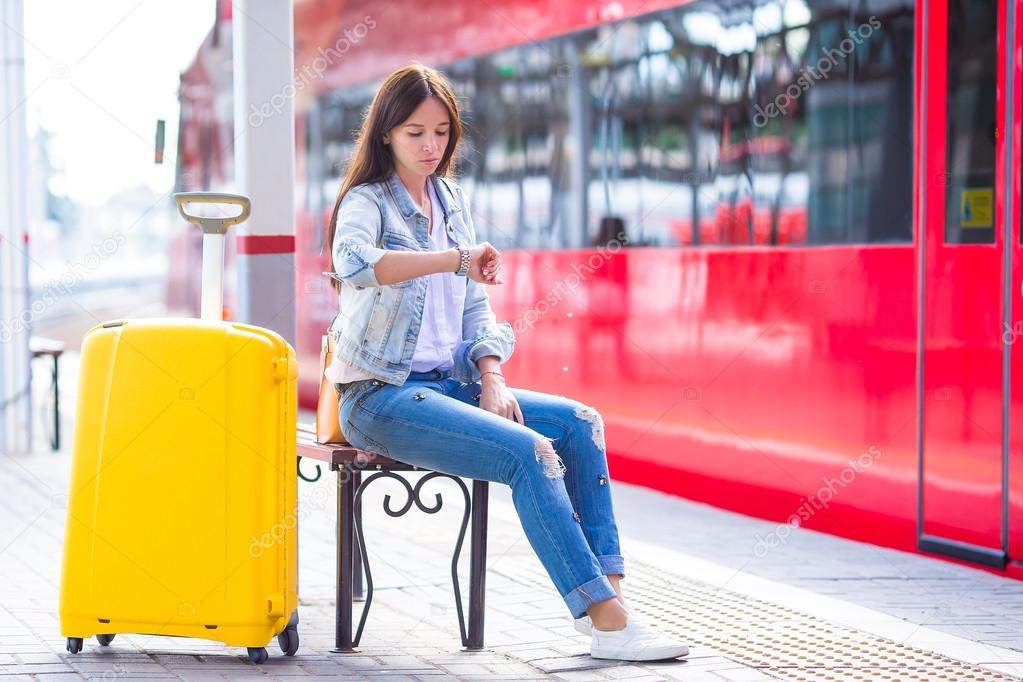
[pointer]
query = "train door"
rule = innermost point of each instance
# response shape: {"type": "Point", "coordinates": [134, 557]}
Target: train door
{"type": "Point", "coordinates": [1012, 335]}
{"type": "Point", "coordinates": [969, 267]}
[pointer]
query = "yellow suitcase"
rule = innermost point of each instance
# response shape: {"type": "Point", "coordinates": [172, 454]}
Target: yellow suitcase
{"type": "Point", "coordinates": [182, 514]}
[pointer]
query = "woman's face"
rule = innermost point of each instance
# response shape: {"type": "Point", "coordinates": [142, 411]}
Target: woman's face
{"type": "Point", "coordinates": [418, 143]}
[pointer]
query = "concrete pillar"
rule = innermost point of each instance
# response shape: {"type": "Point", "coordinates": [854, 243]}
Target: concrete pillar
{"type": "Point", "coordinates": [264, 119]}
{"type": "Point", "coordinates": [15, 307]}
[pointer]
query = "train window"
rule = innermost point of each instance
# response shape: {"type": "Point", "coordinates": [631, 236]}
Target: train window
{"type": "Point", "coordinates": [767, 122]}
{"type": "Point", "coordinates": [314, 199]}
{"type": "Point", "coordinates": [333, 126]}
{"type": "Point", "coordinates": [970, 172]}
{"type": "Point", "coordinates": [515, 158]}
{"type": "Point", "coordinates": [881, 131]}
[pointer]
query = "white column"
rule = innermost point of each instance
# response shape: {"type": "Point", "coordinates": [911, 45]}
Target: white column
{"type": "Point", "coordinates": [264, 120]}
{"type": "Point", "coordinates": [15, 311]}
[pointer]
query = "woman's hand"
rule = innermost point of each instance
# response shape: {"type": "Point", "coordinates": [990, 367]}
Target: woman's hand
{"type": "Point", "coordinates": [496, 398]}
{"type": "Point", "coordinates": [485, 264]}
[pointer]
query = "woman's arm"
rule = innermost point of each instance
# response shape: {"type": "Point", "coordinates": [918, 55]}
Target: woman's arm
{"type": "Point", "coordinates": [495, 396]}
{"type": "Point", "coordinates": [358, 261]}
{"type": "Point", "coordinates": [482, 335]}
{"type": "Point", "coordinates": [489, 363]}
{"type": "Point", "coordinates": [398, 266]}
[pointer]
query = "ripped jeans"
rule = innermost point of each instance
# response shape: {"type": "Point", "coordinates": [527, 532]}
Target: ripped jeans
{"type": "Point", "coordinates": [555, 465]}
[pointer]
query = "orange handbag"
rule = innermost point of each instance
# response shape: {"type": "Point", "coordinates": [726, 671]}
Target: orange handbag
{"type": "Point", "coordinates": [328, 428]}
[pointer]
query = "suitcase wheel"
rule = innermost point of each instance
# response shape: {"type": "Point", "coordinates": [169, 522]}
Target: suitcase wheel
{"type": "Point", "coordinates": [104, 640]}
{"type": "Point", "coordinates": [258, 654]}
{"type": "Point", "coordinates": [74, 645]}
{"type": "Point", "coordinates": [288, 640]}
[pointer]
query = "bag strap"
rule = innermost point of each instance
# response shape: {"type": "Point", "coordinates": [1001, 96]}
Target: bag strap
{"type": "Point", "coordinates": [330, 327]}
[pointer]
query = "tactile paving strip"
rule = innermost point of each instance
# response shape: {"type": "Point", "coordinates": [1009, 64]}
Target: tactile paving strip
{"type": "Point", "coordinates": [782, 642]}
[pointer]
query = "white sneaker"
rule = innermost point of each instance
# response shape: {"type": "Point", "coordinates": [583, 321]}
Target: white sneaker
{"type": "Point", "coordinates": [637, 641]}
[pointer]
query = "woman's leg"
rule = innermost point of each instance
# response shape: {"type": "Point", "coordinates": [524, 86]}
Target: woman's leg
{"type": "Point", "coordinates": [419, 424]}
{"type": "Point", "coordinates": [577, 433]}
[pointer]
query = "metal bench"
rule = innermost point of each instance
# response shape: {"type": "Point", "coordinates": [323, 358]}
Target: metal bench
{"type": "Point", "coordinates": [350, 464]}
{"type": "Point", "coordinates": [42, 347]}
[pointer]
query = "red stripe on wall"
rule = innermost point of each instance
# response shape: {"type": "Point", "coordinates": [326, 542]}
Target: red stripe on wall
{"type": "Point", "coordinates": [253, 244]}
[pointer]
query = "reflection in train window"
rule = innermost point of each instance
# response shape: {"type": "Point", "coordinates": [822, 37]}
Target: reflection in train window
{"type": "Point", "coordinates": [970, 173]}
{"type": "Point", "coordinates": [769, 122]}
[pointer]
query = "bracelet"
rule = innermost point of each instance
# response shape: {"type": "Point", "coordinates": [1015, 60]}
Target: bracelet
{"type": "Point", "coordinates": [490, 371]}
{"type": "Point", "coordinates": [464, 261]}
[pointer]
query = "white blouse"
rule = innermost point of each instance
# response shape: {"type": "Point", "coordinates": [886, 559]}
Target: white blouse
{"type": "Point", "coordinates": [441, 327]}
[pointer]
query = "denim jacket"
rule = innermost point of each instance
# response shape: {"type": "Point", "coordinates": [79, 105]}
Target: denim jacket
{"type": "Point", "coordinates": [378, 325]}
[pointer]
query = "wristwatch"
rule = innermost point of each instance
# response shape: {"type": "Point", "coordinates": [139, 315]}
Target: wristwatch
{"type": "Point", "coordinates": [463, 263]}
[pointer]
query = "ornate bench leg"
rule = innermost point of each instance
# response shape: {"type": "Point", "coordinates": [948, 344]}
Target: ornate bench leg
{"type": "Point", "coordinates": [357, 591]}
{"type": "Point", "coordinates": [345, 559]}
{"type": "Point", "coordinates": [351, 544]}
{"type": "Point", "coordinates": [478, 564]}
{"type": "Point", "coordinates": [56, 402]}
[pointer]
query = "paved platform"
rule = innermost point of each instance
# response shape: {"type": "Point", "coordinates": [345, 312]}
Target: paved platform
{"type": "Point", "coordinates": [741, 626]}
{"type": "Point", "coordinates": [816, 608]}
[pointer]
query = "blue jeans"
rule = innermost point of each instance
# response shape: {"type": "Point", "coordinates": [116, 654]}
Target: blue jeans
{"type": "Point", "coordinates": [562, 494]}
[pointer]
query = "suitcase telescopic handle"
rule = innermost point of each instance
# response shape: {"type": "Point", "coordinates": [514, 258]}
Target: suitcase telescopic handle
{"type": "Point", "coordinates": [213, 225]}
{"type": "Point", "coordinates": [213, 230]}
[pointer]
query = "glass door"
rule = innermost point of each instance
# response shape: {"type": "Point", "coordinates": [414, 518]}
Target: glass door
{"type": "Point", "coordinates": [963, 255]}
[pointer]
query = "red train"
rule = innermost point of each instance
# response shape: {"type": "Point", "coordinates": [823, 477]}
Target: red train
{"type": "Point", "coordinates": [776, 243]}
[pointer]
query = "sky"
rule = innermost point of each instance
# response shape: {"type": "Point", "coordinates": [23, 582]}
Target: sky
{"type": "Point", "coordinates": [98, 76]}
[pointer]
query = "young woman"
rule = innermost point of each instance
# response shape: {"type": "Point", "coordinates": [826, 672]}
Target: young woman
{"type": "Point", "coordinates": [418, 359]}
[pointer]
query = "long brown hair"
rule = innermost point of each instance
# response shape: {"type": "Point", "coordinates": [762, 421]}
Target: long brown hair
{"type": "Point", "coordinates": [395, 100]}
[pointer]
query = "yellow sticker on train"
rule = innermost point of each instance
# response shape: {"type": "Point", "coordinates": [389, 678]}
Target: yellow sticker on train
{"type": "Point", "coordinates": [976, 208]}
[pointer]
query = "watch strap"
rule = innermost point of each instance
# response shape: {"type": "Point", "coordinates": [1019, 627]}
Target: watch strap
{"type": "Point", "coordinates": [464, 260]}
